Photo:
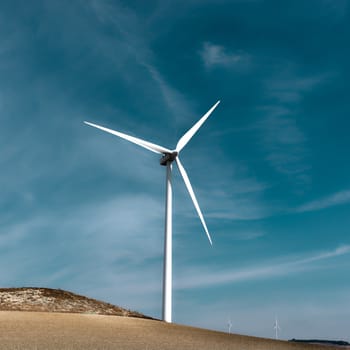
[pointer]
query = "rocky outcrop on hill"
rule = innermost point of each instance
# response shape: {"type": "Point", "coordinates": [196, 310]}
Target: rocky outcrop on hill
{"type": "Point", "coordinates": [57, 300]}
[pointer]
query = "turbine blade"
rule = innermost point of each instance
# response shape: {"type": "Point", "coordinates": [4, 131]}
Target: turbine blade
{"type": "Point", "coordinates": [145, 144]}
{"type": "Point", "coordinates": [188, 135]}
{"type": "Point", "coordinates": [194, 200]}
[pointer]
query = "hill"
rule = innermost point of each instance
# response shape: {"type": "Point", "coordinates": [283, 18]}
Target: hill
{"type": "Point", "coordinates": [51, 331]}
{"type": "Point", "coordinates": [57, 300]}
{"type": "Point", "coordinates": [57, 319]}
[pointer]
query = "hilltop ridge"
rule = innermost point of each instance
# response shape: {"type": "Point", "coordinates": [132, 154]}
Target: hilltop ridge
{"type": "Point", "coordinates": [57, 300]}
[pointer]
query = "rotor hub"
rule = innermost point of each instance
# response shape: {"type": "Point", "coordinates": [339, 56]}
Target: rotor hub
{"type": "Point", "coordinates": [168, 157]}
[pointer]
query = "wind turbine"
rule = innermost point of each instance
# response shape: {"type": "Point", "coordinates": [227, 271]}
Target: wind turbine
{"type": "Point", "coordinates": [276, 327]}
{"type": "Point", "coordinates": [229, 324]}
{"type": "Point", "coordinates": [167, 159]}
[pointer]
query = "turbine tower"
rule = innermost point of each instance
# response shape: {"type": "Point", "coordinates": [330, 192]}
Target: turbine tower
{"type": "Point", "coordinates": [168, 156]}
{"type": "Point", "coordinates": [276, 327]}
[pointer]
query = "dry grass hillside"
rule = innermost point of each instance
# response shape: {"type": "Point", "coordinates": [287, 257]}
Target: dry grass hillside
{"type": "Point", "coordinates": [57, 300]}
{"type": "Point", "coordinates": [48, 331]}
{"type": "Point", "coordinates": [71, 322]}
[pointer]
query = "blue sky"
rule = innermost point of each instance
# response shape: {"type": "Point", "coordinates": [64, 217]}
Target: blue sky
{"type": "Point", "coordinates": [83, 210]}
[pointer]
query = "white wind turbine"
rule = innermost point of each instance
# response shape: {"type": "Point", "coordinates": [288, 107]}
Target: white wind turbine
{"type": "Point", "coordinates": [229, 325]}
{"type": "Point", "coordinates": [168, 157]}
{"type": "Point", "coordinates": [276, 327]}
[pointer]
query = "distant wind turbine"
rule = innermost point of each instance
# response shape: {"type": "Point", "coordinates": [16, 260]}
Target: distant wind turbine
{"type": "Point", "coordinates": [229, 324]}
{"type": "Point", "coordinates": [276, 327]}
{"type": "Point", "coordinates": [167, 159]}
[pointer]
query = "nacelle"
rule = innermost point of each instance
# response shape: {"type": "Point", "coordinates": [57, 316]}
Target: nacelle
{"type": "Point", "coordinates": [168, 157]}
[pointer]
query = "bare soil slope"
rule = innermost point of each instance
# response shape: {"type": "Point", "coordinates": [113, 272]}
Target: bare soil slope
{"type": "Point", "coordinates": [46, 331]}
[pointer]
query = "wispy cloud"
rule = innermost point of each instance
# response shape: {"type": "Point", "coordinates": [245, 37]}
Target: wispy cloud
{"type": "Point", "coordinates": [338, 9]}
{"type": "Point", "coordinates": [285, 268]}
{"type": "Point", "coordinates": [115, 242]}
{"type": "Point", "coordinates": [284, 142]}
{"type": "Point", "coordinates": [247, 236]}
{"type": "Point", "coordinates": [341, 250]}
{"type": "Point", "coordinates": [136, 39]}
{"type": "Point", "coordinates": [175, 101]}
{"type": "Point", "coordinates": [287, 88]}
{"type": "Point", "coordinates": [229, 191]}
{"type": "Point", "coordinates": [283, 138]}
{"type": "Point", "coordinates": [338, 198]}
{"type": "Point", "coordinates": [238, 208]}
{"type": "Point", "coordinates": [216, 55]}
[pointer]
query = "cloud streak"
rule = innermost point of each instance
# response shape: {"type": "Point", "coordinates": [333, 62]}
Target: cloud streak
{"type": "Point", "coordinates": [342, 197]}
{"type": "Point", "coordinates": [290, 88]}
{"type": "Point", "coordinates": [214, 278]}
{"type": "Point", "coordinates": [214, 55]}
{"type": "Point", "coordinates": [283, 139]}
{"type": "Point", "coordinates": [136, 39]}
{"type": "Point", "coordinates": [284, 142]}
